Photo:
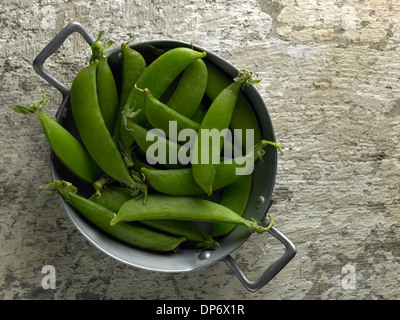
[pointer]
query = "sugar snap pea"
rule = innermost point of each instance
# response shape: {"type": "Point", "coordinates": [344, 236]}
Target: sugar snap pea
{"type": "Point", "coordinates": [161, 116]}
{"type": "Point", "coordinates": [133, 65]}
{"type": "Point", "coordinates": [180, 182]}
{"type": "Point", "coordinates": [243, 116]}
{"type": "Point", "coordinates": [107, 92]}
{"type": "Point", "coordinates": [133, 234]}
{"type": "Point", "coordinates": [190, 89]}
{"type": "Point", "coordinates": [234, 197]}
{"type": "Point", "coordinates": [182, 208]}
{"type": "Point", "coordinates": [157, 77]}
{"type": "Point", "coordinates": [166, 151]}
{"type": "Point", "coordinates": [217, 119]}
{"type": "Point", "coordinates": [92, 128]}
{"type": "Point", "coordinates": [199, 114]}
{"type": "Point", "coordinates": [114, 197]}
{"type": "Point", "coordinates": [65, 146]}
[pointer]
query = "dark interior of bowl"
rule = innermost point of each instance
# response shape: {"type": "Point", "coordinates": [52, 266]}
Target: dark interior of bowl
{"type": "Point", "coordinates": [186, 258]}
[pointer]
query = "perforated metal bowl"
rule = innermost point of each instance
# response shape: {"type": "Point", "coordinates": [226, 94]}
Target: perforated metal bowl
{"type": "Point", "coordinates": [184, 260]}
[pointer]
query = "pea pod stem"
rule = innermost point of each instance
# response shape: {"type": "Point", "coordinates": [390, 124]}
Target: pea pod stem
{"type": "Point", "coordinates": [34, 107]}
{"type": "Point", "coordinates": [96, 47]}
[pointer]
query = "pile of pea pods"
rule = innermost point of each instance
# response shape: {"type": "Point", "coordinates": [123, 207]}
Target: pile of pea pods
{"type": "Point", "coordinates": [145, 204]}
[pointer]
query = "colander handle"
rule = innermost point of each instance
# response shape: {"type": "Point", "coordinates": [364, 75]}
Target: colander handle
{"type": "Point", "coordinates": [272, 270]}
{"type": "Point", "coordinates": [52, 47]}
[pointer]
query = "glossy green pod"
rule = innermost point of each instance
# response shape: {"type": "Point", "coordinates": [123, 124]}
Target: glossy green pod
{"type": "Point", "coordinates": [157, 77]}
{"type": "Point", "coordinates": [133, 234]}
{"type": "Point", "coordinates": [234, 197]}
{"type": "Point", "coordinates": [69, 150]}
{"type": "Point", "coordinates": [243, 116]}
{"type": "Point", "coordinates": [166, 151]}
{"type": "Point", "coordinates": [180, 182]}
{"type": "Point", "coordinates": [161, 116]}
{"type": "Point", "coordinates": [133, 65]}
{"type": "Point", "coordinates": [190, 90]}
{"type": "Point", "coordinates": [64, 145]}
{"type": "Point", "coordinates": [182, 208]}
{"type": "Point", "coordinates": [217, 119]}
{"type": "Point", "coordinates": [92, 128]}
{"type": "Point", "coordinates": [113, 198]}
{"type": "Point", "coordinates": [107, 91]}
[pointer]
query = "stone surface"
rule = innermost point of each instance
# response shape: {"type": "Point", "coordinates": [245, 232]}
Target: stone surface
{"type": "Point", "coordinates": [330, 77]}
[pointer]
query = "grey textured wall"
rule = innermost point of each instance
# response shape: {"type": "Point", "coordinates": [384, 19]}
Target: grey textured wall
{"type": "Point", "coordinates": [330, 77]}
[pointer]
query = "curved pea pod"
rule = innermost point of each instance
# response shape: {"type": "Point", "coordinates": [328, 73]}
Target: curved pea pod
{"type": "Point", "coordinates": [107, 91]}
{"type": "Point", "coordinates": [157, 77]}
{"type": "Point", "coordinates": [216, 120]}
{"type": "Point", "coordinates": [161, 116]}
{"type": "Point", "coordinates": [190, 89]}
{"type": "Point", "coordinates": [199, 114]}
{"type": "Point", "coordinates": [243, 116]}
{"type": "Point", "coordinates": [133, 65]}
{"type": "Point", "coordinates": [180, 182]}
{"type": "Point", "coordinates": [157, 147]}
{"type": "Point", "coordinates": [113, 198]}
{"type": "Point", "coordinates": [234, 197]}
{"type": "Point", "coordinates": [92, 128]}
{"type": "Point", "coordinates": [133, 234]}
{"type": "Point", "coordinates": [182, 208]}
{"type": "Point", "coordinates": [64, 145]}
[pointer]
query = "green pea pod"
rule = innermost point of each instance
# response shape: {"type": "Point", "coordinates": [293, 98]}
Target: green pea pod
{"type": "Point", "coordinates": [182, 208]}
{"type": "Point", "coordinates": [199, 114]}
{"type": "Point", "coordinates": [243, 116]}
{"type": "Point", "coordinates": [133, 65]}
{"type": "Point", "coordinates": [169, 91]}
{"type": "Point", "coordinates": [217, 119]}
{"type": "Point", "coordinates": [180, 182]}
{"type": "Point", "coordinates": [107, 93]}
{"type": "Point", "coordinates": [92, 128]}
{"type": "Point", "coordinates": [190, 90]}
{"type": "Point", "coordinates": [162, 116]}
{"type": "Point", "coordinates": [133, 234]}
{"type": "Point", "coordinates": [113, 198]}
{"type": "Point", "coordinates": [235, 197]}
{"type": "Point", "coordinates": [67, 149]}
{"type": "Point", "coordinates": [106, 87]}
{"type": "Point", "coordinates": [166, 152]}
{"type": "Point", "coordinates": [157, 77]}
